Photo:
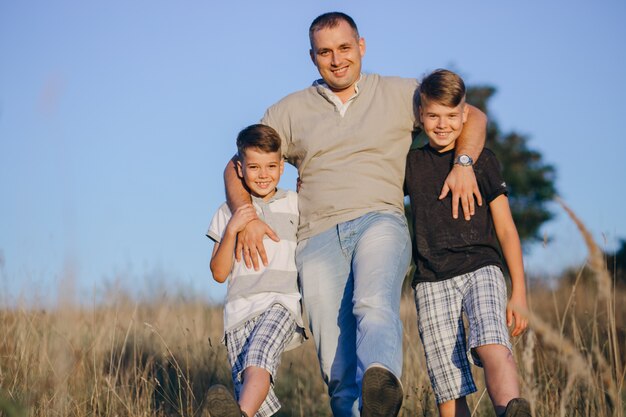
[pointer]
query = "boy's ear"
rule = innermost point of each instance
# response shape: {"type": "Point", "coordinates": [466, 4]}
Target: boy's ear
{"type": "Point", "coordinates": [282, 165]}
{"type": "Point", "coordinates": [465, 112]}
{"type": "Point", "coordinates": [239, 170]}
{"type": "Point", "coordinates": [420, 111]}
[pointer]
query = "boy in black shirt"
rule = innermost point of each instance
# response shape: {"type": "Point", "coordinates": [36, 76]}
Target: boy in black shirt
{"type": "Point", "coordinates": [459, 268]}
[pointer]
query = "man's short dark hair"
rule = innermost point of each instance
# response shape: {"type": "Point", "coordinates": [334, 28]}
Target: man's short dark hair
{"type": "Point", "coordinates": [331, 20]}
{"type": "Point", "coordinates": [444, 87]}
{"type": "Point", "coordinates": [260, 137]}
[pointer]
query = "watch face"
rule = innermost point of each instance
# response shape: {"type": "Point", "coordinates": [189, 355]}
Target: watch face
{"type": "Point", "coordinates": [464, 160]}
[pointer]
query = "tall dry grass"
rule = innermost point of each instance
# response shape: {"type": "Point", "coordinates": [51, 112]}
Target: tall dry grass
{"type": "Point", "coordinates": [157, 358]}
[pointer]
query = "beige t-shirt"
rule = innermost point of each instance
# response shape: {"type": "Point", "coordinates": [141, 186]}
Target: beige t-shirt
{"type": "Point", "coordinates": [349, 165]}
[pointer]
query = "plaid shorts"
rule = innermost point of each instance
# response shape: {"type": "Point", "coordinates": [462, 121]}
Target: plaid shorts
{"type": "Point", "coordinates": [260, 342]}
{"type": "Point", "coordinates": [481, 295]}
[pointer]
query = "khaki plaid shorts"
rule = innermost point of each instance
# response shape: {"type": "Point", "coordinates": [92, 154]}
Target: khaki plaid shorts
{"type": "Point", "coordinates": [481, 296]}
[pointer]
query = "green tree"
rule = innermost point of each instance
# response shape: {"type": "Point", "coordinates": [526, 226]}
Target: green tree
{"type": "Point", "coordinates": [529, 178]}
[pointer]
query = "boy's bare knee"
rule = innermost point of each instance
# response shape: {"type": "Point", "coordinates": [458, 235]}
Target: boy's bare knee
{"type": "Point", "coordinates": [255, 373]}
{"type": "Point", "coordinates": [494, 353]}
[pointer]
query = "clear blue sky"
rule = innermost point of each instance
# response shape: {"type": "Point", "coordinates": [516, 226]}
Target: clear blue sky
{"type": "Point", "coordinates": [117, 117]}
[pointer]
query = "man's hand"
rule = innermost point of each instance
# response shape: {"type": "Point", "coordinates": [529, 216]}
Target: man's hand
{"type": "Point", "coordinates": [250, 243]}
{"type": "Point", "coordinates": [515, 313]}
{"type": "Point", "coordinates": [462, 182]}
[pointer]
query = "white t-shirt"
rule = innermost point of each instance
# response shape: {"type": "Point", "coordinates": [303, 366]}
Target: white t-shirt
{"type": "Point", "coordinates": [251, 292]}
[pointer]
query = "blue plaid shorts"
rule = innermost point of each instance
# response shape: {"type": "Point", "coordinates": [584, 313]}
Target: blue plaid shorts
{"type": "Point", "coordinates": [260, 342]}
{"type": "Point", "coordinates": [482, 296]}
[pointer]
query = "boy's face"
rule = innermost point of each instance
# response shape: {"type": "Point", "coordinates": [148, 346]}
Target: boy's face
{"type": "Point", "coordinates": [442, 124]}
{"type": "Point", "coordinates": [261, 171]}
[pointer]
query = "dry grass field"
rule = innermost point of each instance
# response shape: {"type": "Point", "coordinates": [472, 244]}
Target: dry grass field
{"type": "Point", "coordinates": [158, 357]}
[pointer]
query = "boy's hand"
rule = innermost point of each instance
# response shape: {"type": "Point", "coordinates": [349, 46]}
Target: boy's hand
{"type": "Point", "coordinates": [462, 182]}
{"type": "Point", "coordinates": [514, 312]}
{"type": "Point", "coordinates": [241, 217]}
{"type": "Point", "coordinates": [250, 243]}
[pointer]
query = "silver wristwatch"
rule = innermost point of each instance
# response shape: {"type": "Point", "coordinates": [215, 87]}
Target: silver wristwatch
{"type": "Point", "coordinates": [463, 160]}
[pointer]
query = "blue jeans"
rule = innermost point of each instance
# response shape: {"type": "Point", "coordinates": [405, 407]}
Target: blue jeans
{"type": "Point", "coordinates": [351, 279]}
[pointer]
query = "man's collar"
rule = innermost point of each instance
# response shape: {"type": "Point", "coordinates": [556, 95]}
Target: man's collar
{"type": "Point", "coordinates": [331, 97]}
{"type": "Point", "coordinates": [322, 86]}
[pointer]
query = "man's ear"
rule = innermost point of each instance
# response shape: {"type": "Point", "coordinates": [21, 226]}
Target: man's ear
{"type": "Point", "coordinates": [312, 55]}
{"type": "Point", "coordinates": [362, 46]}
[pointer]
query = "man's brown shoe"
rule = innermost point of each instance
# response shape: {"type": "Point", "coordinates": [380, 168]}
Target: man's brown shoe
{"type": "Point", "coordinates": [381, 393]}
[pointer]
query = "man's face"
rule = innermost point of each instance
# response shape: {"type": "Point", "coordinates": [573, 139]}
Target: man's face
{"type": "Point", "coordinates": [442, 124]}
{"type": "Point", "coordinates": [337, 53]}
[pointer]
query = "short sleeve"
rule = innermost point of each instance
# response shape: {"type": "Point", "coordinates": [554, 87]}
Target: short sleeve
{"type": "Point", "coordinates": [272, 119]}
{"type": "Point", "coordinates": [411, 87]}
{"type": "Point", "coordinates": [406, 92]}
{"type": "Point", "coordinates": [218, 223]}
{"type": "Point", "coordinates": [490, 176]}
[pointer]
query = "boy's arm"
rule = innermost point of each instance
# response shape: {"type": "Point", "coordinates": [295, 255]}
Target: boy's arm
{"type": "Point", "coordinates": [222, 259]}
{"type": "Point", "coordinates": [512, 251]}
{"type": "Point", "coordinates": [250, 240]}
{"type": "Point", "coordinates": [223, 251]}
{"type": "Point", "coordinates": [461, 180]}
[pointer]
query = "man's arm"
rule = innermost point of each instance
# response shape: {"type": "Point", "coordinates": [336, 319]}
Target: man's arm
{"type": "Point", "coordinates": [461, 180]}
{"type": "Point", "coordinates": [250, 239]}
{"type": "Point", "coordinates": [236, 194]}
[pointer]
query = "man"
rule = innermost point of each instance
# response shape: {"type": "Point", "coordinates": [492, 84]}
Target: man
{"type": "Point", "coordinates": [348, 135]}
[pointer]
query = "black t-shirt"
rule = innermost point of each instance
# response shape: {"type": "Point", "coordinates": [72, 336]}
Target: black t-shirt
{"type": "Point", "coordinates": [444, 247]}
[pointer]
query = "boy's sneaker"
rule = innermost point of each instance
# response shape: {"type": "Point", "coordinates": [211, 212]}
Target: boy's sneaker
{"type": "Point", "coordinates": [221, 403]}
{"type": "Point", "coordinates": [517, 407]}
{"type": "Point", "coordinates": [381, 393]}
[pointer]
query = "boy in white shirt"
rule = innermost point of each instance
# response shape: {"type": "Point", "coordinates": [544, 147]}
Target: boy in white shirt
{"type": "Point", "coordinates": [262, 312]}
